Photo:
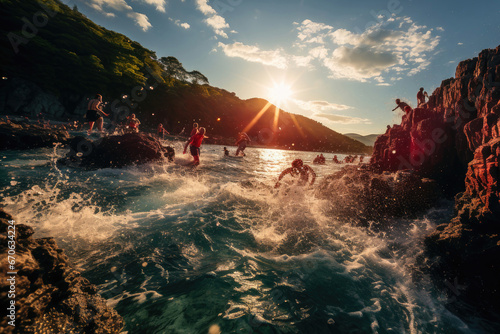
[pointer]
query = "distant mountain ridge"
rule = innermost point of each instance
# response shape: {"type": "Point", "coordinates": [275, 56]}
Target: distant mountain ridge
{"type": "Point", "coordinates": [55, 69]}
{"type": "Point", "coordinates": [368, 140]}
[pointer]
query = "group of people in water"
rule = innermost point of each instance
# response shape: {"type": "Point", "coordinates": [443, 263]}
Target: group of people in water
{"type": "Point", "coordinates": [321, 160]}
{"type": "Point", "coordinates": [95, 114]}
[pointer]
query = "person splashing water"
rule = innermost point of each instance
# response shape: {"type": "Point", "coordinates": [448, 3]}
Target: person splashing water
{"type": "Point", "coordinates": [298, 169]}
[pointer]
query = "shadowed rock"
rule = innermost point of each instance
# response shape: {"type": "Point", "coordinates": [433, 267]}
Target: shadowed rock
{"type": "Point", "coordinates": [361, 194]}
{"type": "Point", "coordinates": [24, 136]}
{"type": "Point", "coordinates": [116, 151]}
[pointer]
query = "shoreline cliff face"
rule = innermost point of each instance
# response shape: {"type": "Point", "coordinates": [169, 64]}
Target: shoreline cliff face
{"type": "Point", "coordinates": [455, 140]}
{"type": "Point", "coordinates": [50, 296]}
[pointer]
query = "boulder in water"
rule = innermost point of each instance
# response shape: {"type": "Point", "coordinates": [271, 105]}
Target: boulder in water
{"type": "Point", "coordinates": [116, 151]}
{"type": "Point", "coordinates": [24, 136]}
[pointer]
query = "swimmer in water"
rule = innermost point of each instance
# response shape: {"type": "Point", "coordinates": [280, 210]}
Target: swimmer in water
{"type": "Point", "coordinates": [298, 169]}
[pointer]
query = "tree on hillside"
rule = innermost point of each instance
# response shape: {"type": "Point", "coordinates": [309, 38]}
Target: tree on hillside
{"type": "Point", "coordinates": [198, 78]}
{"type": "Point", "coordinates": [174, 69]}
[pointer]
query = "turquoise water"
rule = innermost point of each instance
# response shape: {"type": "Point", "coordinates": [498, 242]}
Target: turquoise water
{"type": "Point", "coordinates": [217, 250]}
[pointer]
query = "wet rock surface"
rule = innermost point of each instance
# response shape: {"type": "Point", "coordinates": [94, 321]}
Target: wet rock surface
{"type": "Point", "coordinates": [50, 296]}
{"type": "Point", "coordinates": [365, 196]}
{"type": "Point", "coordinates": [116, 151]}
{"type": "Point", "coordinates": [455, 140]}
{"type": "Point", "coordinates": [24, 136]}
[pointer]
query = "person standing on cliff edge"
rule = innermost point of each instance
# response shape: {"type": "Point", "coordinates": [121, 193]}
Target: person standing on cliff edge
{"type": "Point", "coordinates": [94, 112]}
{"type": "Point", "coordinates": [421, 97]}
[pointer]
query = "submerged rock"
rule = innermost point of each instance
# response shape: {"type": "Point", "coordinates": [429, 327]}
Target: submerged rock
{"type": "Point", "coordinates": [24, 136]}
{"type": "Point", "coordinates": [116, 151]}
{"type": "Point", "coordinates": [50, 296]}
{"type": "Point", "coordinates": [361, 194]}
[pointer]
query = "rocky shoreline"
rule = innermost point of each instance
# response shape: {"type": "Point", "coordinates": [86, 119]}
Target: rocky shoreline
{"type": "Point", "coordinates": [25, 136]}
{"type": "Point", "coordinates": [455, 140]}
{"type": "Point", "coordinates": [50, 296]}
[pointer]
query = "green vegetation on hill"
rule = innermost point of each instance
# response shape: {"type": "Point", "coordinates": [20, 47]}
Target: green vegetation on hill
{"type": "Point", "coordinates": [69, 55]}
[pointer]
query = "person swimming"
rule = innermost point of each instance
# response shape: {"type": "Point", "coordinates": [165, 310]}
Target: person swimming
{"type": "Point", "coordinates": [298, 169]}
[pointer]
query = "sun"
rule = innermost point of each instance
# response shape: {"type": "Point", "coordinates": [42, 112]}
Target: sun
{"type": "Point", "coordinates": [280, 93]}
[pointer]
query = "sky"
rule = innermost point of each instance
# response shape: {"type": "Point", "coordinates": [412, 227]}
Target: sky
{"type": "Point", "coordinates": [339, 62]}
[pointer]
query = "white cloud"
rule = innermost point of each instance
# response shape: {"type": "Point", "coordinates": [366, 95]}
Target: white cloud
{"type": "Point", "coordinates": [395, 45]}
{"type": "Point", "coordinates": [325, 109]}
{"type": "Point", "coordinates": [439, 28]}
{"type": "Point", "coordinates": [121, 5]}
{"type": "Point", "coordinates": [205, 8]}
{"type": "Point", "coordinates": [320, 106]}
{"type": "Point", "coordinates": [180, 24]}
{"type": "Point", "coordinates": [218, 23]}
{"type": "Point", "coordinates": [303, 61]}
{"type": "Point", "coordinates": [213, 20]}
{"type": "Point", "coordinates": [160, 4]}
{"type": "Point", "coordinates": [275, 58]}
{"type": "Point", "coordinates": [141, 20]}
{"type": "Point", "coordinates": [344, 119]}
{"type": "Point", "coordinates": [309, 31]}
{"type": "Point", "coordinates": [319, 52]}
{"type": "Point", "coordinates": [460, 43]}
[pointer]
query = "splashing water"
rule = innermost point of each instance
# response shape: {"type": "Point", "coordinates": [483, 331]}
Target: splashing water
{"type": "Point", "coordinates": [218, 250]}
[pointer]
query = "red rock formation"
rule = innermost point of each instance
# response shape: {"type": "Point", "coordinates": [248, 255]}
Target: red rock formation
{"type": "Point", "coordinates": [456, 137]}
{"type": "Point", "coordinates": [438, 141]}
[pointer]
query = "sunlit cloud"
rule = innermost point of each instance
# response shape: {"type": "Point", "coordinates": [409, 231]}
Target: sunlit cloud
{"type": "Point", "coordinates": [252, 53]}
{"type": "Point", "coordinates": [309, 31]}
{"type": "Point", "coordinates": [341, 119]}
{"type": "Point", "coordinates": [141, 20]}
{"type": "Point", "coordinates": [119, 5]}
{"type": "Point", "coordinates": [394, 45]}
{"type": "Point", "coordinates": [159, 4]}
{"type": "Point", "coordinates": [180, 24]}
{"type": "Point", "coordinates": [213, 20]}
{"type": "Point", "coordinates": [320, 106]}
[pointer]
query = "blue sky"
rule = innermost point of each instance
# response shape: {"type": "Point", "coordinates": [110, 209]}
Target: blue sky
{"type": "Point", "coordinates": [345, 62]}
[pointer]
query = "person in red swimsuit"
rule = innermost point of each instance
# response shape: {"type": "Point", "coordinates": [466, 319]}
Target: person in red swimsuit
{"type": "Point", "coordinates": [194, 145]}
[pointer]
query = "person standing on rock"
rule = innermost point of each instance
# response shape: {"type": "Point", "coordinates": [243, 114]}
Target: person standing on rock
{"type": "Point", "coordinates": [401, 104]}
{"type": "Point", "coordinates": [421, 97]}
{"type": "Point", "coordinates": [94, 112]}
{"type": "Point", "coordinates": [133, 124]}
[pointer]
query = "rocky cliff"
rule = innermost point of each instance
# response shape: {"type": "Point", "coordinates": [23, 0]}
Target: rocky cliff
{"type": "Point", "coordinates": [49, 295]}
{"type": "Point", "coordinates": [455, 139]}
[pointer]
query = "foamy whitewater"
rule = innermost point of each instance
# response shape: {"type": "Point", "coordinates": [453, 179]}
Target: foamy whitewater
{"type": "Point", "coordinates": [217, 248]}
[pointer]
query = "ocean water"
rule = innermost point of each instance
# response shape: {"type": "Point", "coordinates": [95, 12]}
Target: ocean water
{"type": "Point", "coordinates": [217, 249]}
